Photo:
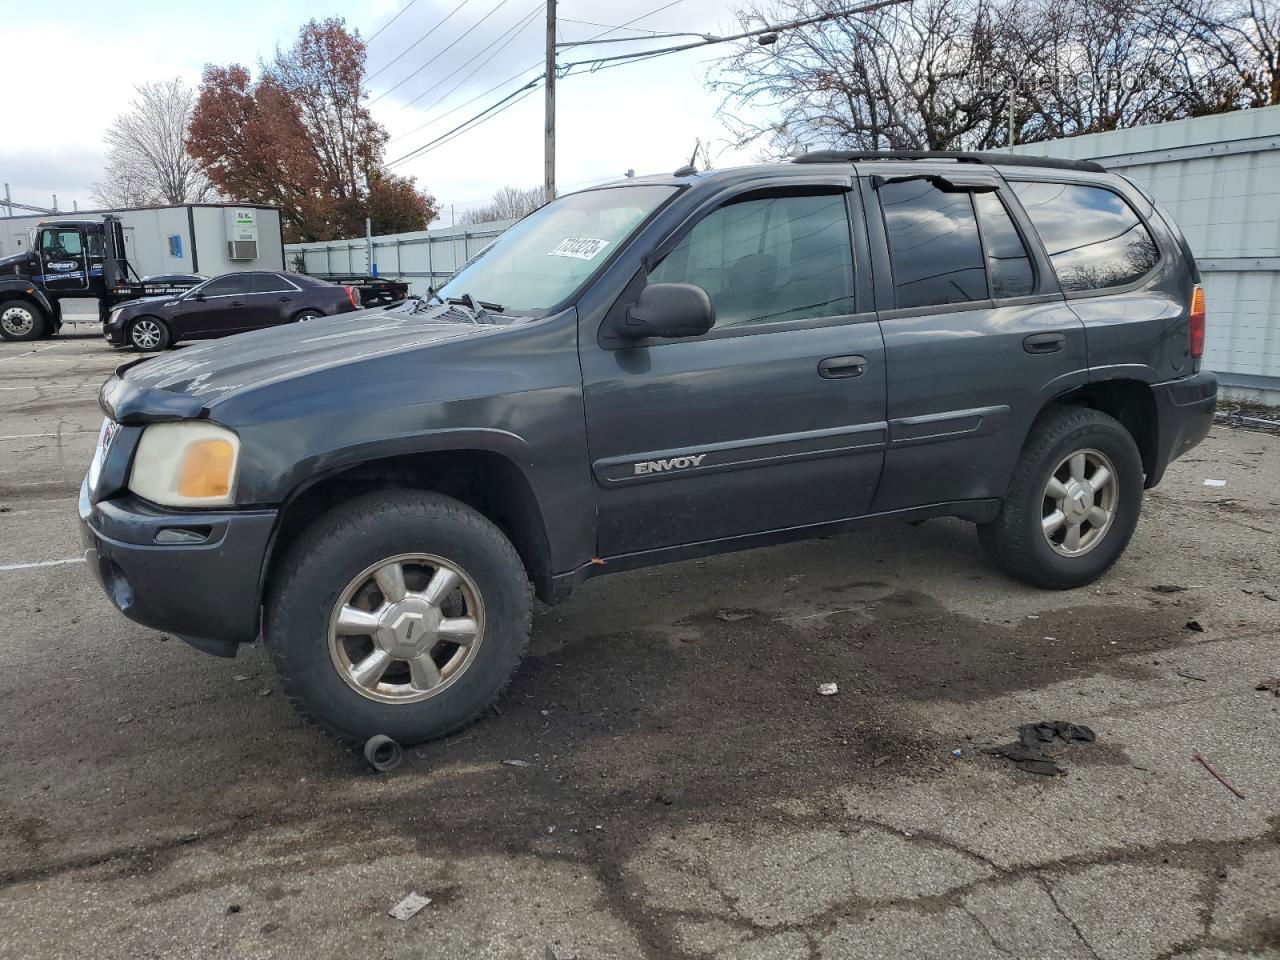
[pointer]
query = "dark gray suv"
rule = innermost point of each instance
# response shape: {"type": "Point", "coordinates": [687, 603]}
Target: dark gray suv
{"type": "Point", "coordinates": [657, 369]}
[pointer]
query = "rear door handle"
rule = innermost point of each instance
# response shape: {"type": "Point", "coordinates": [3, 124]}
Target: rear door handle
{"type": "Point", "coordinates": [237, 303]}
{"type": "Point", "coordinates": [836, 368]}
{"type": "Point", "coordinates": [1044, 342]}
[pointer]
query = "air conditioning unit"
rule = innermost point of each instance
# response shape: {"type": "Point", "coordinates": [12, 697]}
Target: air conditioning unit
{"type": "Point", "coordinates": [242, 233]}
{"type": "Point", "coordinates": [242, 249]}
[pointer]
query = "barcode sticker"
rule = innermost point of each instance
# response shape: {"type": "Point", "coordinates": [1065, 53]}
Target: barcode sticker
{"type": "Point", "coordinates": [580, 248]}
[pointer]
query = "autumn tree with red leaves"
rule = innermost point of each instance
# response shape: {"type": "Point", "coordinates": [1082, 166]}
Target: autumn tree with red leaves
{"type": "Point", "coordinates": [301, 137]}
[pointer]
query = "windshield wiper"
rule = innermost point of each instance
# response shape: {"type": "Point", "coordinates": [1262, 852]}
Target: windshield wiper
{"type": "Point", "coordinates": [478, 307]}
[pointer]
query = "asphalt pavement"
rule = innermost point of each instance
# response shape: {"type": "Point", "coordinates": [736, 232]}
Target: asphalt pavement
{"type": "Point", "coordinates": [683, 790]}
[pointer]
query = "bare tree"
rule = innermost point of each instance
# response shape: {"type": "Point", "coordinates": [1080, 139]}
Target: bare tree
{"type": "Point", "coordinates": [946, 74]}
{"type": "Point", "coordinates": [147, 158]}
{"type": "Point", "coordinates": [509, 203]}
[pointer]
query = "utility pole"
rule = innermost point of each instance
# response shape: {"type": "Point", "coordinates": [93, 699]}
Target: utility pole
{"type": "Point", "coordinates": [8, 201]}
{"type": "Point", "coordinates": [549, 124]}
{"type": "Point", "coordinates": [1013, 99]}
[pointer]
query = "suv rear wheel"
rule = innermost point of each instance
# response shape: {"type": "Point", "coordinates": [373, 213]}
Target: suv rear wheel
{"type": "Point", "coordinates": [22, 320]}
{"type": "Point", "coordinates": [1073, 504]}
{"type": "Point", "coordinates": [401, 613]}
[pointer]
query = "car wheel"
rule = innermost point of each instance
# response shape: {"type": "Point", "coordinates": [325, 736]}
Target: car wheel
{"type": "Point", "coordinates": [402, 614]}
{"type": "Point", "coordinates": [308, 315]}
{"type": "Point", "coordinates": [148, 334]}
{"type": "Point", "coordinates": [22, 320]}
{"type": "Point", "coordinates": [1073, 503]}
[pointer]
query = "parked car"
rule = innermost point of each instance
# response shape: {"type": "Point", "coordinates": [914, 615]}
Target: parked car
{"type": "Point", "coordinates": [231, 303]}
{"type": "Point", "coordinates": [664, 368]}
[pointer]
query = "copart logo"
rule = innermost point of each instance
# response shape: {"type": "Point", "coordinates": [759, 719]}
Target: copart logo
{"type": "Point", "coordinates": [673, 463]}
{"type": "Point", "coordinates": [63, 265]}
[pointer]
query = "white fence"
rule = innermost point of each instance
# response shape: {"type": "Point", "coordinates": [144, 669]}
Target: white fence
{"type": "Point", "coordinates": [422, 257]}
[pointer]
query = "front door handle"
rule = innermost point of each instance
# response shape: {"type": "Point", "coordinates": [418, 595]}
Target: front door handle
{"type": "Point", "coordinates": [237, 303]}
{"type": "Point", "coordinates": [1044, 342]}
{"type": "Point", "coordinates": [837, 368]}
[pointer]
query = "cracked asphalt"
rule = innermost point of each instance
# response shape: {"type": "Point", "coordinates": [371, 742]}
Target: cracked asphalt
{"type": "Point", "coordinates": [687, 794]}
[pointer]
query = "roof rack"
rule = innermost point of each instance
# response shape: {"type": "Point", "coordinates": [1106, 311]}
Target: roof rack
{"type": "Point", "coordinates": [960, 156]}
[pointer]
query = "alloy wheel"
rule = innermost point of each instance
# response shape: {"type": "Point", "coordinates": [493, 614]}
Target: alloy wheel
{"type": "Point", "coordinates": [406, 628]}
{"type": "Point", "coordinates": [1080, 502]}
{"type": "Point", "coordinates": [145, 334]}
{"type": "Point", "coordinates": [17, 321]}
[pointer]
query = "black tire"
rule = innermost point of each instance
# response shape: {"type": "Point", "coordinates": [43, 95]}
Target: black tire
{"type": "Point", "coordinates": [304, 315]}
{"type": "Point", "coordinates": [22, 320]}
{"type": "Point", "coordinates": [1016, 540]}
{"type": "Point", "coordinates": [149, 334]}
{"type": "Point", "coordinates": [320, 565]}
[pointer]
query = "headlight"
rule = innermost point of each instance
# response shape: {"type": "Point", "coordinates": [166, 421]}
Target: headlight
{"type": "Point", "coordinates": [189, 463]}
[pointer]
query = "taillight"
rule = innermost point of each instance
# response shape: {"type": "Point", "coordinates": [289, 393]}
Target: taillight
{"type": "Point", "coordinates": [355, 298]}
{"type": "Point", "coordinates": [1197, 323]}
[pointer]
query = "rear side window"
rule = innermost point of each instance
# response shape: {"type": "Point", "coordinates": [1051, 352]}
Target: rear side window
{"type": "Point", "coordinates": [934, 245]}
{"type": "Point", "coordinates": [1093, 237]}
{"type": "Point", "coordinates": [1007, 260]}
{"type": "Point", "coordinates": [769, 259]}
{"type": "Point", "coordinates": [270, 283]}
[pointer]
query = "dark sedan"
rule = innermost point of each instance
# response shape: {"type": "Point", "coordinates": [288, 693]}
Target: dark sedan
{"type": "Point", "coordinates": [231, 303]}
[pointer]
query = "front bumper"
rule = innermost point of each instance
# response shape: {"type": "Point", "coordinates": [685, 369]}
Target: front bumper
{"type": "Point", "coordinates": [205, 591]}
{"type": "Point", "coordinates": [113, 332]}
{"type": "Point", "coordinates": [1184, 414]}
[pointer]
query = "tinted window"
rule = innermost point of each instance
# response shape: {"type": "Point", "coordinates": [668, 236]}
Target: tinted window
{"type": "Point", "coordinates": [1092, 235]}
{"type": "Point", "coordinates": [270, 283]}
{"type": "Point", "coordinates": [769, 259]}
{"type": "Point", "coordinates": [933, 244]}
{"type": "Point", "coordinates": [1007, 259]}
{"type": "Point", "coordinates": [230, 284]}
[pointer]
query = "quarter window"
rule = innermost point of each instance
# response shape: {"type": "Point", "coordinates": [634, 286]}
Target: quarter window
{"type": "Point", "coordinates": [1093, 237]}
{"type": "Point", "coordinates": [769, 259]}
{"type": "Point", "coordinates": [1007, 260]}
{"type": "Point", "coordinates": [934, 246]}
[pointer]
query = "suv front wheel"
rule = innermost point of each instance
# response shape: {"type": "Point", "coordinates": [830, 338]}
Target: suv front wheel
{"type": "Point", "coordinates": [400, 613]}
{"type": "Point", "coordinates": [1073, 503]}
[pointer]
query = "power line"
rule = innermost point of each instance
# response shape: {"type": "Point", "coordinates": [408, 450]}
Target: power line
{"type": "Point", "coordinates": [418, 41]}
{"type": "Point", "coordinates": [791, 25]}
{"type": "Point", "coordinates": [390, 22]}
{"type": "Point", "coordinates": [487, 111]}
{"type": "Point", "coordinates": [511, 33]}
{"type": "Point", "coordinates": [527, 86]}
{"type": "Point", "coordinates": [447, 48]}
{"type": "Point", "coordinates": [592, 23]}
{"type": "Point", "coordinates": [464, 103]}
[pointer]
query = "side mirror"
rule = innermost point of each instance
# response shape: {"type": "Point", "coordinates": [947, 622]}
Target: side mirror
{"type": "Point", "coordinates": [198, 296]}
{"type": "Point", "coordinates": [669, 310]}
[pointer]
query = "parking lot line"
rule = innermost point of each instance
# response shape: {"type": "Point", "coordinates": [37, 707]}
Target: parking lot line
{"type": "Point", "coordinates": [36, 436]}
{"type": "Point", "coordinates": [41, 563]}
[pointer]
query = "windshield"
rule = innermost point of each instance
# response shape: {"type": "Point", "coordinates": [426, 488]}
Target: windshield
{"type": "Point", "coordinates": [541, 260]}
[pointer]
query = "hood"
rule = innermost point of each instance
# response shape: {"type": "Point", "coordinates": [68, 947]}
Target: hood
{"type": "Point", "coordinates": [16, 264]}
{"type": "Point", "coordinates": [139, 301]}
{"type": "Point", "coordinates": [215, 369]}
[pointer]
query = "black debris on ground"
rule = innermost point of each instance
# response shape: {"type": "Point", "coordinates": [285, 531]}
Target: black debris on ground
{"type": "Point", "coordinates": [1028, 753]}
{"type": "Point", "coordinates": [1271, 683]}
{"type": "Point", "coordinates": [1195, 626]}
{"type": "Point", "coordinates": [1168, 588]}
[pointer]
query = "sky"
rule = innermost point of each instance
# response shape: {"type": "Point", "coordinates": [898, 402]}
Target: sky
{"type": "Point", "coordinates": [644, 116]}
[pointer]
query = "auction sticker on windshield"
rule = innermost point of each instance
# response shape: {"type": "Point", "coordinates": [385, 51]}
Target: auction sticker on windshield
{"type": "Point", "coordinates": [580, 248]}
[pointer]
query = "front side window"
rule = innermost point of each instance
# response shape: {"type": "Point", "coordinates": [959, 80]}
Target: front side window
{"type": "Point", "coordinates": [934, 247]}
{"type": "Point", "coordinates": [1093, 237]}
{"type": "Point", "coordinates": [231, 284]}
{"type": "Point", "coordinates": [61, 243]}
{"type": "Point", "coordinates": [539, 262]}
{"type": "Point", "coordinates": [1007, 259]}
{"type": "Point", "coordinates": [769, 259]}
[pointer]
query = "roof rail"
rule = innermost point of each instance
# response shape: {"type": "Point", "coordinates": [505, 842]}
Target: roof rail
{"type": "Point", "coordinates": [960, 156]}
